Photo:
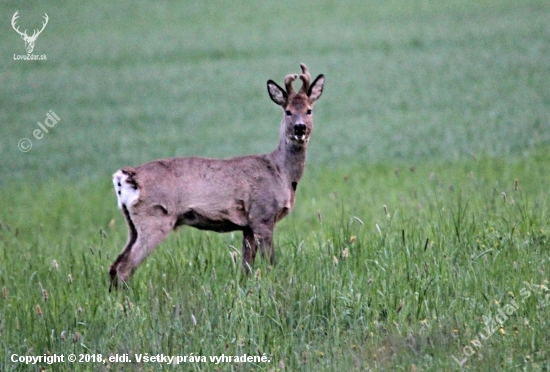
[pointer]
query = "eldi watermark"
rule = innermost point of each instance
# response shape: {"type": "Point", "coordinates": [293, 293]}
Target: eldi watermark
{"type": "Point", "coordinates": [25, 144]}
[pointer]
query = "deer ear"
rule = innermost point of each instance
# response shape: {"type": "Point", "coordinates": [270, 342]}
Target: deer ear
{"type": "Point", "coordinates": [316, 88]}
{"type": "Point", "coordinates": [277, 94]}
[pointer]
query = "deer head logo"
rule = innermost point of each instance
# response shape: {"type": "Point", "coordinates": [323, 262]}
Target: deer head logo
{"type": "Point", "coordinates": [29, 40]}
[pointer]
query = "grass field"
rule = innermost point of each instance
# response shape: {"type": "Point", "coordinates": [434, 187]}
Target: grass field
{"type": "Point", "coordinates": [420, 237]}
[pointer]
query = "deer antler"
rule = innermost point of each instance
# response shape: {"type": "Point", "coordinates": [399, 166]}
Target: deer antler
{"type": "Point", "coordinates": [35, 34]}
{"type": "Point", "coordinates": [13, 20]}
{"type": "Point", "coordinates": [288, 84]}
{"type": "Point", "coordinates": [306, 79]}
{"type": "Point", "coordinates": [24, 34]}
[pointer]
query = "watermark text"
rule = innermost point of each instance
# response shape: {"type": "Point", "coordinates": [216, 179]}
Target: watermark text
{"type": "Point", "coordinates": [25, 144]}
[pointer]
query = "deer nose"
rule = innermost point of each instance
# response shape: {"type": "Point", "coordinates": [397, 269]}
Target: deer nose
{"type": "Point", "coordinates": [299, 129]}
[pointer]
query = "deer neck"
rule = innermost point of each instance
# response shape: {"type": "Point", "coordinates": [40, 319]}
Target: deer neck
{"type": "Point", "coordinates": [291, 159]}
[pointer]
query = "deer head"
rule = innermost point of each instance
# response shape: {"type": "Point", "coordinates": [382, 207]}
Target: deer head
{"type": "Point", "coordinates": [297, 106]}
{"type": "Point", "coordinates": [29, 40]}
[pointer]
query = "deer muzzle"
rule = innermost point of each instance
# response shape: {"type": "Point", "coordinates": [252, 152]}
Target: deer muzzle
{"type": "Point", "coordinates": [299, 131]}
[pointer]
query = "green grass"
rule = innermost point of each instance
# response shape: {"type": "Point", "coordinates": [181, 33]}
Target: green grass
{"type": "Point", "coordinates": [412, 291]}
{"type": "Point", "coordinates": [410, 229]}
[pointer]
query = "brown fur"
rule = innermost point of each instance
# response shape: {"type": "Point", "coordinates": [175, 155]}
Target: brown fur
{"type": "Point", "coordinates": [249, 193]}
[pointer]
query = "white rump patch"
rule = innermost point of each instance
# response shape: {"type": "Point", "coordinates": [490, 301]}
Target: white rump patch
{"type": "Point", "coordinates": [125, 192]}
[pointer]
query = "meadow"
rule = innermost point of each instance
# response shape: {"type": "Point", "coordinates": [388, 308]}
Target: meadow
{"type": "Point", "coordinates": [420, 236]}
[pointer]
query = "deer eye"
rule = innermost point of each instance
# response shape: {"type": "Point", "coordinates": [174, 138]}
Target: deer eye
{"type": "Point", "coordinates": [288, 113]}
{"type": "Point", "coordinates": [308, 112]}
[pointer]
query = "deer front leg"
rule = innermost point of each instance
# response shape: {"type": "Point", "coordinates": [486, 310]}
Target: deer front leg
{"type": "Point", "coordinates": [260, 236]}
{"type": "Point", "coordinates": [145, 234]}
{"type": "Point", "coordinates": [249, 249]}
{"type": "Point", "coordinates": [264, 239]}
{"type": "Point", "coordinates": [266, 245]}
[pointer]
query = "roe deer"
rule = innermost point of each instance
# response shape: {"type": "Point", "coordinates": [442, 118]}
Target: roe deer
{"type": "Point", "coordinates": [248, 193]}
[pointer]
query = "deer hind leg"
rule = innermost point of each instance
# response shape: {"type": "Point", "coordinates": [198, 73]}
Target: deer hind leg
{"type": "Point", "coordinates": [147, 226]}
{"type": "Point", "coordinates": [145, 233]}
